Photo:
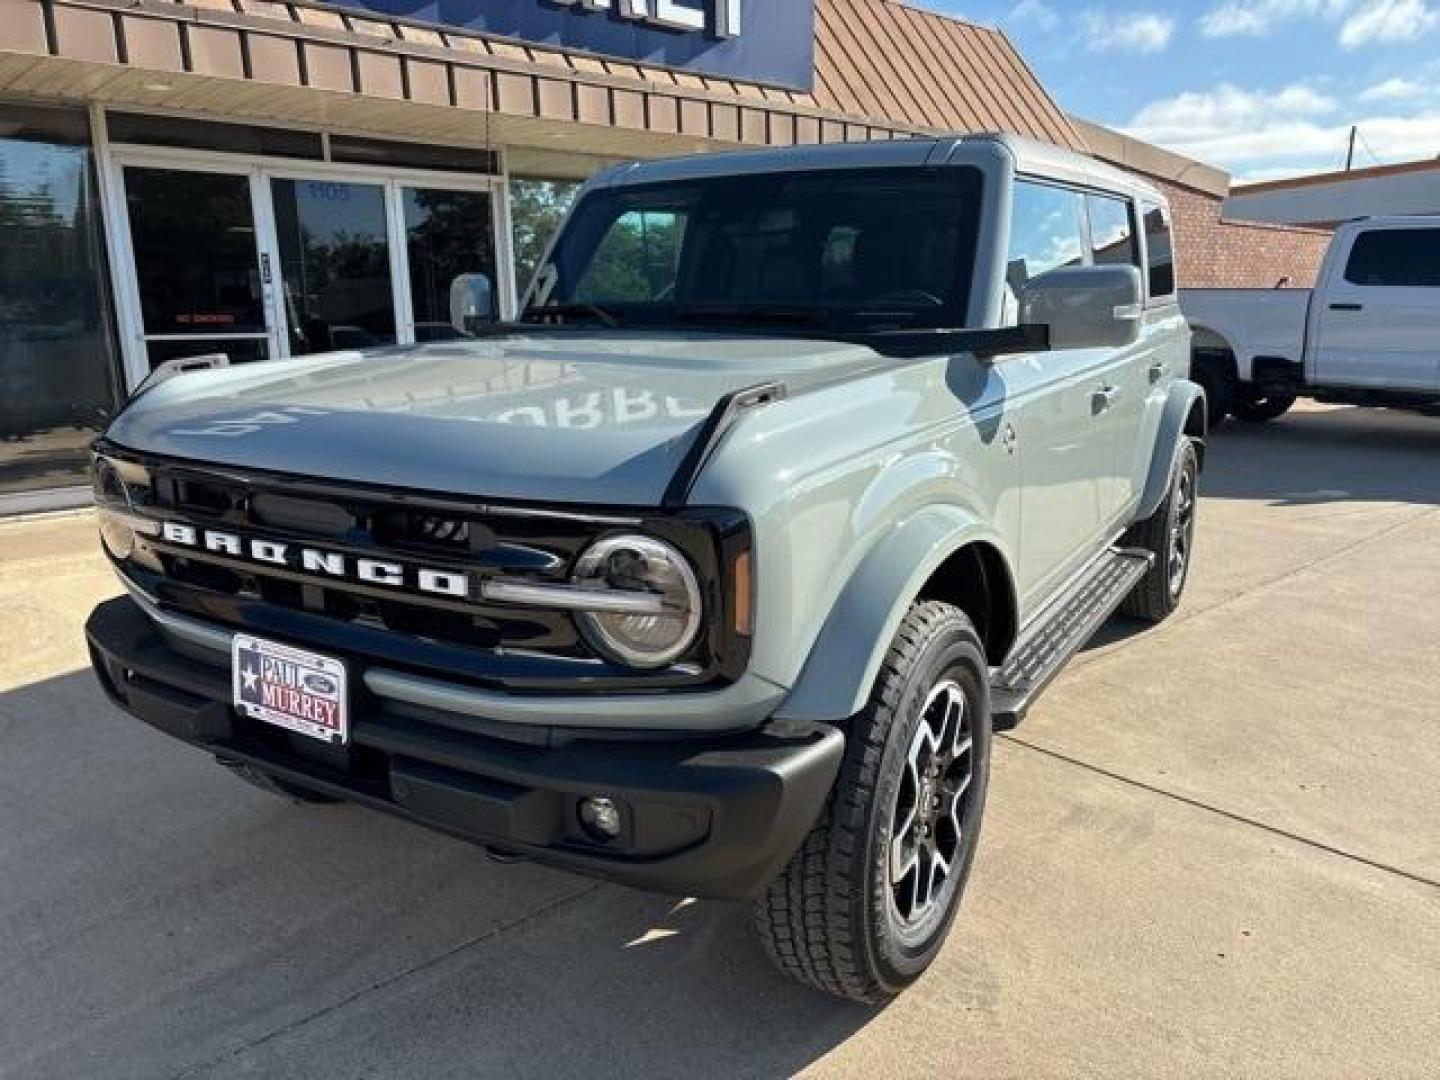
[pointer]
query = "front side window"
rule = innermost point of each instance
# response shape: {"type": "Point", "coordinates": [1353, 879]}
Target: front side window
{"type": "Point", "coordinates": [1112, 237]}
{"type": "Point", "coordinates": [860, 249]}
{"type": "Point", "coordinates": [1047, 232]}
{"type": "Point", "coordinates": [1160, 250]}
{"type": "Point", "coordinates": [1399, 258]}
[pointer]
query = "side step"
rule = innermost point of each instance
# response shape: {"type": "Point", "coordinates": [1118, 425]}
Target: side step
{"type": "Point", "coordinates": [1061, 630]}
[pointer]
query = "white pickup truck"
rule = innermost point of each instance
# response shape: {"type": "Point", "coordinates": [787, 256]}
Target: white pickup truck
{"type": "Point", "coordinates": [1367, 334]}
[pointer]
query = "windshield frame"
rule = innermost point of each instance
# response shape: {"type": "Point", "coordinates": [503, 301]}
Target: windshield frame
{"type": "Point", "coordinates": [552, 297]}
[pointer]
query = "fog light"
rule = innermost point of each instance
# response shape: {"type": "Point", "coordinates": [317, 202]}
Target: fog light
{"type": "Point", "coordinates": [601, 818]}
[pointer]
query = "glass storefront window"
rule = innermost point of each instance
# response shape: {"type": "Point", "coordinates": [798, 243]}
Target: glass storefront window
{"type": "Point", "coordinates": [537, 207]}
{"type": "Point", "coordinates": [57, 377]}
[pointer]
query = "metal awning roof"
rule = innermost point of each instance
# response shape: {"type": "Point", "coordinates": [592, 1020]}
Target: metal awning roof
{"type": "Point", "coordinates": [883, 70]}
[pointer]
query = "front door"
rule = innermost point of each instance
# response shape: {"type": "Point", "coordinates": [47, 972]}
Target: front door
{"type": "Point", "coordinates": [1375, 319]}
{"type": "Point", "coordinates": [199, 283]}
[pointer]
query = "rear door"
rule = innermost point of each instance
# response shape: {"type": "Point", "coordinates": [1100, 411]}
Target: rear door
{"type": "Point", "coordinates": [1378, 318]}
{"type": "Point", "coordinates": [1122, 392]}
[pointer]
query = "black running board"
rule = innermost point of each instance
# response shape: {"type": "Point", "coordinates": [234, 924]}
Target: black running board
{"type": "Point", "coordinates": [1061, 630]}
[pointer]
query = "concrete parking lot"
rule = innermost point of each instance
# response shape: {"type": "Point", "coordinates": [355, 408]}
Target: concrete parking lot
{"type": "Point", "coordinates": [1212, 850]}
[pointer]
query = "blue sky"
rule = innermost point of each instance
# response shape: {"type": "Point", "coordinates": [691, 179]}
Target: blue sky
{"type": "Point", "coordinates": [1263, 88]}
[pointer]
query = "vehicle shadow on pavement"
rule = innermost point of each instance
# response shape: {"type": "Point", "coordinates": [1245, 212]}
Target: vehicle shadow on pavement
{"type": "Point", "coordinates": [1315, 456]}
{"type": "Point", "coordinates": [162, 918]}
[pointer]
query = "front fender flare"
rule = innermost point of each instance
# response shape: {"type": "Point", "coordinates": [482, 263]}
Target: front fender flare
{"type": "Point", "coordinates": [1175, 424]}
{"type": "Point", "coordinates": [835, 682]}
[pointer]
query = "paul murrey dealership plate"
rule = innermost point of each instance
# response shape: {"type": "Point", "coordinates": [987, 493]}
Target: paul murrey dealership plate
{"type": "Point", "coordinates": [290, 688]}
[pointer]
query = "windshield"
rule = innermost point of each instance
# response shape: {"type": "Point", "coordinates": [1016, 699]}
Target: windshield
{"type": "Point", "coordinates": [855, 249]}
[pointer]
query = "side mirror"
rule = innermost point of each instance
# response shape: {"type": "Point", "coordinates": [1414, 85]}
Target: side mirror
{"type": "Point", "coordinates": [472, 303]}
{"type": "Point", "coordinates": [1086, 307]}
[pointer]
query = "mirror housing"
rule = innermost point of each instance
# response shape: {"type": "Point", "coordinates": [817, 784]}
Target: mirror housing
{"type": "Point", "coordinates": [1086, 307]}
{"type": "Point", "coordinates": [472, 303]}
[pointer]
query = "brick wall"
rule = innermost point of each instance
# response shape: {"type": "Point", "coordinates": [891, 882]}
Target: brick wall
{"type": "Point", "coordinates": [1219, 254]}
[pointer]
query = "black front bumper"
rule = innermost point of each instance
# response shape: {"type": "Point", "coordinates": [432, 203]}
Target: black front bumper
{"type": "Point", "coordinates": [714, 817]}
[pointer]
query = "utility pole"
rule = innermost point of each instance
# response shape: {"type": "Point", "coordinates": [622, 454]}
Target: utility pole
{"type": "Point", "coordinates": [1350, 153]}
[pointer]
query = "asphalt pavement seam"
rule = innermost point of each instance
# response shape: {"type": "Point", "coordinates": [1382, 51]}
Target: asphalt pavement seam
{"type": "Point", "coordinates": [200, 1068]}
{"type": "Point", "coordinates": [1274, 830]}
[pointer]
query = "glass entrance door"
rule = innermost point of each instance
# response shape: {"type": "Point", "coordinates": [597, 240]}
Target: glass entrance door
{"type": "Point", "coordinates": [269, 260]}
{"type": "Point", "coordinates": [198, 277]}
{"type": "Point", "coordinates": [335, 264]}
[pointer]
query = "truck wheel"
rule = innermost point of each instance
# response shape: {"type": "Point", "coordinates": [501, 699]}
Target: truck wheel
{"type": "Point", "coordinates": [1218, 389]}
{"type": "Point", "coordinates": [1254, 409]}
{"type": "Point", "coordinates": [864, 906]}
{"type": "Point", "coordinates": [274, 785]}
{"type": "Point", "coordinates": [1168, 534]}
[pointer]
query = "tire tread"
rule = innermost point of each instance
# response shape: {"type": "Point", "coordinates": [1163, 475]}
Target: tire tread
{"type": "Point", "coordinates": [810, 917]}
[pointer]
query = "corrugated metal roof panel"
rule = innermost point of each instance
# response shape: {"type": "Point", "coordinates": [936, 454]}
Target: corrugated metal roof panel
{"type": "Point", "coordinates": [888, 60]}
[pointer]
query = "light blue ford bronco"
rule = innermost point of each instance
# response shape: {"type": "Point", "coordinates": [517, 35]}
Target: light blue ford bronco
{"type": "Point", "coordinates": [798, 474]}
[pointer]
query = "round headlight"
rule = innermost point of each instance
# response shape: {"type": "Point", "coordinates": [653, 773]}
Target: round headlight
{"type": "Point", "coordinates": [640, 564]}
{"type": "Point", "coordinates": [111, 495]}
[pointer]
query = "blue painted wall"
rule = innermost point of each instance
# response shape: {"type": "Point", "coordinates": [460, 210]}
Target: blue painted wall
{"type": "Point", "coordinates": [775, 46]}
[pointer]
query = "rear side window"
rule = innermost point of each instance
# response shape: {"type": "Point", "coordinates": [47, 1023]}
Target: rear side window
{"type": "Point", "coordinates": [1400, 258]}
{"type": "Point", "coordinates": [1112, 235]}
{"type": "Point", "coordinates": [1046, 232]}
{"type": "Point", "coordinates": [1160, 250]}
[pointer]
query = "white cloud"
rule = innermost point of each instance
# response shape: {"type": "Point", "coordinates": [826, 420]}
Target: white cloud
{"type": "Point", "coordinates": [1291, 130]}
{"type": "Point", "coordinates": [1397, 89]}
{"type": "Point", "coordinates": [1227, 109]}
{"type": "Point", "coordinates": [1234, 18]}
{"type": "Point", "coordinates": [1389, 20]}
{"type": "Point", "coordinates": [1035, 12]}
{"type": "Point", "coordinates": [1104, 30]}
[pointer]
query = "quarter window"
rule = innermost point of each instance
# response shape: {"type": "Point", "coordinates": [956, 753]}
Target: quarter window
{"type": "Point", "coordinates": [1160, 250]}
{"type": "Point", "coordinates": [1399, 258]}
{"type": "Point", "coordinates": [1112, 236]}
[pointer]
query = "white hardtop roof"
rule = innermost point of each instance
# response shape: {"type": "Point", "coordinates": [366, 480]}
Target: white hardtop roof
{"type": "Point", "coordinates": [1031, 158]}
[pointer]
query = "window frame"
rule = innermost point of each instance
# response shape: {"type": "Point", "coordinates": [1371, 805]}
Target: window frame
{"type": "Point", "coordinates": [1167, 216]}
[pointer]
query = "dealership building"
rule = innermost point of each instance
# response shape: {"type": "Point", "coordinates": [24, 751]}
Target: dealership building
{"type": "Point", "coordinates": [268, 179]}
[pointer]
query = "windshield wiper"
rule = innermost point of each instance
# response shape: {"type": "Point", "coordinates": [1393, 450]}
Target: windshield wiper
{"type": "Point", "coordinates": [545, 312]}
{"type": "Point", "coordinates": [763, 313]}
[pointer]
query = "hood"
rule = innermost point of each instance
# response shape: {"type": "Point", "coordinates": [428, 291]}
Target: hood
{"type": "Point", "coordinates": [603, 419]}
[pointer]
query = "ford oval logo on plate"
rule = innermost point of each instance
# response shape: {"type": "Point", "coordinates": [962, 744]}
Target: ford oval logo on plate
{"type": "Point", "coordinates": [319, 684]}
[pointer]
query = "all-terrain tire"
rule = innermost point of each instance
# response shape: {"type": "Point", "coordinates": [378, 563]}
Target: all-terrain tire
{"type": "Point", "coordinates": [1159, 592]}
{"type": "Point", "coordinates": [274, 785]}
{"type": "Point", "coordinates": [1252, 409]}
{"type": "Point", "coordinates": [828, 919]}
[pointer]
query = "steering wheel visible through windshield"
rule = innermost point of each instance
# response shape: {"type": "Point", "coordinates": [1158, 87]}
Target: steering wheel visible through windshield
{"type": "Point", "coordinates": [853, 249]}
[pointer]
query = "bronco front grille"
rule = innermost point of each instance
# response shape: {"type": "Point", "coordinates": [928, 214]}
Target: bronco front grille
{"type": "Point", "coordinates": [345, 526]}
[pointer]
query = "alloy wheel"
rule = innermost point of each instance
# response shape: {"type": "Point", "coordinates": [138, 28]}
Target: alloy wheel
{"type": "Point", "coordinates": [928, 829]}
{"type": "Point", "coordinates": [1182, 531]}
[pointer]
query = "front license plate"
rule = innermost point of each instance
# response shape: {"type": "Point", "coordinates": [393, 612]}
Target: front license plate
{"type": "Point", "coordinates": [290, 688]}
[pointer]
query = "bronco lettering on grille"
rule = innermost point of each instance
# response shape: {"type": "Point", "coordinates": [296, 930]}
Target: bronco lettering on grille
{"type": "Point", "coordinates": [321, 563]}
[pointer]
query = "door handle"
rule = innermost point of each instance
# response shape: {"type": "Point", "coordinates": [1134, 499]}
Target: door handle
{"type": "Point", "coordinates": [1159, 370]}
{"type": "Point", "coordinates": [1347, 307]}
{"type": "Point", "coordinates": [1103, 398]}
